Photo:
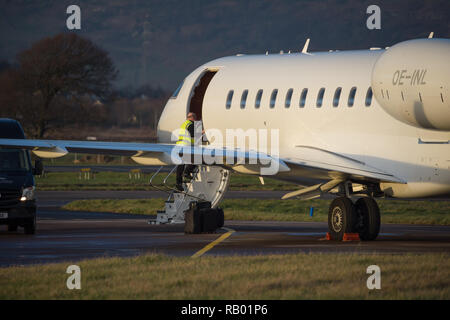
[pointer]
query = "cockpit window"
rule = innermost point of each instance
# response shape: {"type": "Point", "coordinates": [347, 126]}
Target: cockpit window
{"type": "Point", "coordinates": [175, 94]}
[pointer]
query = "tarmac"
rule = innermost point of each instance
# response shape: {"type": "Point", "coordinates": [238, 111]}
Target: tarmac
{"type": "Point", "coordinates": [67, 236]}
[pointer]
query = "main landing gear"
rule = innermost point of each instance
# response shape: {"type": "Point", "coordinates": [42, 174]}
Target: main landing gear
{"type": "Point", "coordinates": [362, 217]}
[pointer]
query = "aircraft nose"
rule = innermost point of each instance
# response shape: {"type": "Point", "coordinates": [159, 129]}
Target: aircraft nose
{"type": "Point", "coordinates": [173, 115]}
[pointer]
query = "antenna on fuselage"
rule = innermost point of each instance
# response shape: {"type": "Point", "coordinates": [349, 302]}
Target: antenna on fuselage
{"type": "Point", "coordinates": [305, 47]}
{"type": "Point", "coordinates": [431, 35]}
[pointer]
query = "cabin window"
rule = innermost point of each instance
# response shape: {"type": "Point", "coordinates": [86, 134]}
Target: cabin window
{"type": "Point", "coordinates": [369, 97]}
{"type": "Point", "coordinates": [337, 96]}
{"type": "Point", "coordinates": [273, 98]}
{"type": "Point", "coordinates": [177, 91]}
{"type": "Point", "coordinates": [320, 97]}
{"type": "Point", "coordinates": [303, 97]}
{"type": "Point", "coordinates": [287, 103]}
{"type": "Point", "coordinates": [244, 98]}
{"type": "Point", "coordinates": [229, 99]}
{"type": "Point", "coordinates": [351, 97]}
{"type": "Point", "coordinates": [258, 98]}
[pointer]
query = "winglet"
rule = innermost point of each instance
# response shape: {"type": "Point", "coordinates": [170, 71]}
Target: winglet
{"type": "Point", "coordinates": [431, 35]}
{"type": "Point", "coordinates": [305, 47]}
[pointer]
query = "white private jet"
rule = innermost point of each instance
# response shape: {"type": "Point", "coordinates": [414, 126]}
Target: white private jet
{"type": "Point", "coordinates": [358, 124]}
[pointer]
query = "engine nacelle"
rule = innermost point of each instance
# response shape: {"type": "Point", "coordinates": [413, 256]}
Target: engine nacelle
{"type": "Point", "coordinates": [411, 82]}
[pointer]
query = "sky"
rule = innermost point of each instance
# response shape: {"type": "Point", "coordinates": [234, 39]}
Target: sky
{"type": "Point", "coordinates": [159, 42]}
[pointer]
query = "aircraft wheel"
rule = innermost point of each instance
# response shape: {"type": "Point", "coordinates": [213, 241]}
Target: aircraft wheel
{"type": "Point", "coordinates": [341, 218]}
{"type": "Point", "coordinates": [367, 218]}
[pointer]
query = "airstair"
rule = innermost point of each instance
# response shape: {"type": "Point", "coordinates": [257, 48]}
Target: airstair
{"type": "Point", "coordinates": [209, 184]}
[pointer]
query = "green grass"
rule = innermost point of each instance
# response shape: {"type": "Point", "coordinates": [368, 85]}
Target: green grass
{"type": "Point", "coordinates": [247, 182]}
{"type": "Point", "coordinates": [392, 211]}
{"type": "Point", "coordinates": [64, 181]}
{"type": "Point", "coordinates": [120, 181]}
{"type": "Point", "coordinates": [296, 276]}
{"type": "Point", "coordinates": [81, 159]}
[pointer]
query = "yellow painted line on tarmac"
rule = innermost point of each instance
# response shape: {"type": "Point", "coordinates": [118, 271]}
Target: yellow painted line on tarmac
{"type": "Point", "coordinates": [211, 245]}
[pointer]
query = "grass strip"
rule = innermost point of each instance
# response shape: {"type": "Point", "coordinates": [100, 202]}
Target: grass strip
{"type": "Point", "coordinates": [296, 276]}
{"type": "Point", "coordinates": [392, 211]}
{"type": "Point", "coordinates": [105, 180]}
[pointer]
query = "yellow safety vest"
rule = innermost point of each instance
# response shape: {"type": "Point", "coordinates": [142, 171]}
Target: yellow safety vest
{"type": "Point", "coordinates": [184, 137]}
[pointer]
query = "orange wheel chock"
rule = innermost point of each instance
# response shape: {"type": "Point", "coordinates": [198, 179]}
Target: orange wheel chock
{"type": "Point", "coordinates": [347, 237]}
{"type": "Point", "coordinates": [351, 237]}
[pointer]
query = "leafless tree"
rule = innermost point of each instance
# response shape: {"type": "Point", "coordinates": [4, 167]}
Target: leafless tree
{"type": "Point", "coordinates": [56, 80]}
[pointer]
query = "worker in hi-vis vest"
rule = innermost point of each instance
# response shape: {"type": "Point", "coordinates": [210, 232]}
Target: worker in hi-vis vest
{"type": "Point", "coordinates": [186, 138]}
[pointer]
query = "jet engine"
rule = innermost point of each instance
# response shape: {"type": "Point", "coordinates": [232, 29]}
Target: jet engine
{"type": "Point", "coordinates": [411, 82]}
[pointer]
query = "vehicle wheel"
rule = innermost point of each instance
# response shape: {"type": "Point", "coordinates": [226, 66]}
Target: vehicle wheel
{"type": "Point", "coordinates": [30, 226]}
{"type": "Point", "coordinates": [367, 218]}
{"type": "Point", "coordinates": [341, 218]}
{"type": "Point", "coordinates": [12, 227]}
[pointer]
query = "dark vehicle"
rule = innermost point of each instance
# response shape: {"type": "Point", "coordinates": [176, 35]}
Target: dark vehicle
{"type": "Point", "coordinates": [17, 185]}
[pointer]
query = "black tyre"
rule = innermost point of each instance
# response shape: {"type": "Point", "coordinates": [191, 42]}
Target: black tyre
{"type": "Point", "coordinates": [341, 218]}
{"type": "Point", "coordinates": [209, 220]}
{"type": "Point", "coordinates": [30, 226]}
{"type": "Point", "coordinates": [12, 227]}
{"type": "Point", "coordinates": [192, 221]}
{"type": "Point", "coordinates": [220, 218]}
{"type": "Point", "coordinates": [367, 219]}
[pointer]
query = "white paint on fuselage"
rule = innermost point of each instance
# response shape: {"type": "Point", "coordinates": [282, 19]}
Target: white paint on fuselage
{"type": "Point", "coordinates": [365, 133]}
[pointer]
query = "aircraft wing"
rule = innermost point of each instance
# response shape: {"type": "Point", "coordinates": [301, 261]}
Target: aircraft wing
{"type": "Point", "coordinates": [303, 161]}
{"type": "Point", "coordinates": [145, 153]}
{"type": "Point", "coordinates": [321, 164]}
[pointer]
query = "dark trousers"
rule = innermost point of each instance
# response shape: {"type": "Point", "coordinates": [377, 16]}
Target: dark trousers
{"type": "Point", "coordinates": [183, 169]}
